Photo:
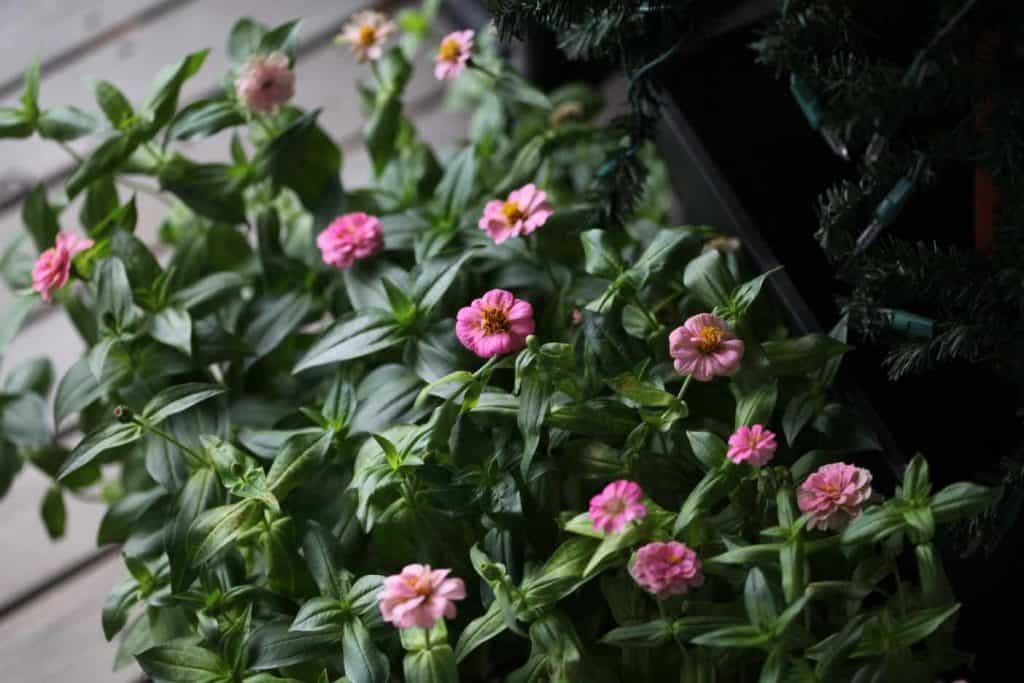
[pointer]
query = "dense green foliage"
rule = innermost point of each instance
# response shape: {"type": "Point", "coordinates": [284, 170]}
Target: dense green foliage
{"type": "Point", "coordinates": [284, 434]}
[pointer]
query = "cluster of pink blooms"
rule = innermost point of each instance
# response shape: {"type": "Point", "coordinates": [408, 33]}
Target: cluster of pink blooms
{"type": "Point", "coordinates": [349, 238]}
{"type": "Point", "coordinates": [419, 596]}
{"type": "Point", "coordinates": [525, 210]}
{"type": "Point", "coordinates": [666, 569]}
{"type": "Point", "coordinates": [265, 82]}
{"type": "Point", "coordinates": [704, 348]}
{"type": "Point", "coordinates": [366, 33]}
{"type": "Point", "coordinates": [616, 506]}
{"type": "Point", "coordinates": [753, 445]}
{"type": "Point", "coordinates": [495, 324]}
{"type": "Point", "coordinates": [53, 267]}
{"type": "Point", "coordinates": [453, 55]}
{"type": "Point", "coordinates": [833, 495]}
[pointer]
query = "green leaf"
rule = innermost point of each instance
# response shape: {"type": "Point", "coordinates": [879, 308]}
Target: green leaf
{"type": "Point", "coordinates": [10, 465]}
{"type": "Point", "coordinates": [907, 631]}
{"type": "Point", "coordinates": [12, 320]}
{"type": "Point", "coordinates": [66, 123]}
{"type": "Point", "coordinates": [181, 661]}
{"type": "Point", "coordinates": [916, 481]}
{"type": "Point", "coordinates": [206, 289]}
{"type": "Point", "coordinates": [873, 525]}
{"type": "Point", "coordinates": [160, 106]}
{"type": "Point", "coordinates": [296, 463]}
{"type": "Point", "coordinates": [708, 277]}
{"type": "Point", "coordinates": [745, 295]}
{"type": "Point", "coordinates": [201, 492]}
{"type": "Point", "coordinates": [214, 529]}
{"type": "Point", "coordinates": [351, 337]}
{"type": "Point", "coordinates": [114, 104]}
{"type": "Point", "coordinates": [436, 665]}
{"type": "Point", "coordinates": [323, 555]}
{"type": "Point", "coordinates": [382, 131]}
{"type": "Point", "coordinates": [596, 417]}
{"type": "Point", "coordinates": [363, 596]}
{"type": "Point", "coordinates": [245, 39]}
{"type": "Point", "coordinates": [435, 278]}
{"type": "Point", "coordinates": [364, 663]}
{"type": "Point", "coordinates": [514, 87]}
{"type": "Point", "coordinates": [101, 201]}
{"type": "Point", "coordinates": [759, 601]}
{"type": "Point", "coordinates": [104, 160]}
{"type": "Point", "coordinates": [204, 118]}
{"type": "Point", "coordinates": [115, 609]}
{"type": "Point", "coordinates": [800, 410]}
{"type": "Point", "coordinates": [754, 404]}
{"type": "Point", "coordinates": [740, 636]}
{"type": "Point", "coordinates": [211, 190]}
{"type": "Point", "coordinates": [14, 123]}
{"type": "Point", "coordinates": [647, 634]}
{"type": "Point", "coordinates": [34, 375]}
{"type": "Point", "coordinates": [321, 615]}
{"type": "Point", "coordinates": [657, 254]}
{"type": "Point", "coordinates": [601, 259]}
{"type": "Point", "coordinates": [524, 166]}
{"type": "Point", "coordinates": [30, 90]}
{"type": "Point", "coordinates": [114, 292]}
{"type": "Point", "coordinates": [53, 513]}
{"type": "Point", "coordinates": [40, 218]}
{"type": "Point", "coordinates": [99, 442]}
{"type": "Point", "coordinates": [534, 399]}
{"type": "Point", "coordinates": [275, 319]}
{"type": "Point", "coordinates": [704, 494]}
{"type": "Point", "coordinates": [177, 399]}
{"type": "Point", "coordinates": [281, 38]}
{"type": "Point", "coordinates": [482, 629]}
{"type": "Point", "coordinates": [708, 448]}
{"type": "Point", "coordinates": [960, 500]}
{"type": "Point", "coordinates": [25, 421]}
{"type": "Point", "coordinates": [273, 646]}
{"type": "Point", "coordinates": [305, 159]}
{"type": "Point", "coordinates": [802, 355]}
{"type": "Point", "coordinates": [456, 186]}
{"type": "Point", "coordinates": [121, 517]}
{"type": "Point", "coordinates": [173, 326]}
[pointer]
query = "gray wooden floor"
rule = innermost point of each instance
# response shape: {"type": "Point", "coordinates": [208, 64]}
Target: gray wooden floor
{"type": "Point", "coordinates": [51, 593]}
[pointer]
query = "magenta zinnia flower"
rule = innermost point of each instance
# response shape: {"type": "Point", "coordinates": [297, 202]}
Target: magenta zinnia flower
{"type": "Point", "coordinates": [350, 238]}
{"type": "Point", "coordinates": [525, 210]}
{"type": "Point", "coordinates": [834, 494]}
{"type": "Point", "coordinates": [265, 83]}
{"type": "Point", "coordinates": [419, 596]}
{"type": "Point", "coordinates": [704, 347]}
{"type": "Point", "coordinates": [366, 33]}
{"type": "Point", "coordinates": [755, 445]}
{"type": "Point", "coordinates": [494, 324]}
{"type": "Point", "coordinates": [616, 506]}
{"type": "Point", "coordinates": [53, 267]}
{"type": "Point", "coordinates": [453, 54]}
{"type": "Point", "coordinates": [666, 569]}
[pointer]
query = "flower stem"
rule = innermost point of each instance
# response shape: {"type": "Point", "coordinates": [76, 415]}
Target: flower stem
{"type": "Point", "coordinates": [168, 438]}
{"type": "Point", "coordinates": [686, 385]}
{"type": "Point", "coordinates": [426, 638]}
{"type": "Point", "coordinates": [74, 155]}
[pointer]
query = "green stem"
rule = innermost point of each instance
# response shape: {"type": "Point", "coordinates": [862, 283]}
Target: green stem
{"type": "Point", "coordinates": [145, 189]}
{"type": "Point", "coordinates": [426, 638]}
{"type": "Point", "coordinates": [262, 122]}
{"type": "Point", "coordinates": [74, 155]}
{"type": "Point", "coordinates": [168, 438]}
{"type": "Point", "coordinates": [473, 64]}
{"type": "Point", "coordinates": [686, 385]}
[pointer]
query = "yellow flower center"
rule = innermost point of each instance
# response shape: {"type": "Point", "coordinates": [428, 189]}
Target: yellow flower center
{"type": "Point", "coordinates": [449, 50]}
{"type": "Point", "coordinates": [494, 321]}
{"type": "Point", "coordinates": [512, 212]}
{"type": "Point", "coordinates": [710, 338]}
{"type": "Point", "coordinates": [421, 585]}
{"type": "Point", "coordinates": [367, 35]}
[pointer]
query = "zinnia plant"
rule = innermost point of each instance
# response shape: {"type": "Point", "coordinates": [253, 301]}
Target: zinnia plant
{"type": "Point", "coordinates": [439, 428]}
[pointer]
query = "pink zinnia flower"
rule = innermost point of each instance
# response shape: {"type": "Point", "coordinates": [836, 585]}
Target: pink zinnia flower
{"type": "Point", "coordinates": [834, 494]}
{"type": "Point", "coordinates": [666, 569]}
{"type": "Point", "coordinates": [349, 238]}
{"type": "Point", "coordinates": [616, 506]}
{"type": "Point", "coordinates": [525, 210]}
{"type": "Point", "coordinates": [453, 54]}
{"type": "Point", "coordinates": [494, 324]}
{"type": "Point", "coordinates": [577, 316]}
{"type": "Point", "coordinates": [265, 83]}
{"type": "Point", "coordinates": [53, 267]}
{"type": "Point", "coordinates": [367, 32]}
{"type": "Point", "coordinates": [704, 347]}
{"type": "Point", "coordinates": [755, 445]}
{"type": "Point", "coordinates": [419, 596]}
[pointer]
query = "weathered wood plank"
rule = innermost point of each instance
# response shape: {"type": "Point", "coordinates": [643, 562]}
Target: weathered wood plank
{"type": "Point", "coordinates": [58, 637]}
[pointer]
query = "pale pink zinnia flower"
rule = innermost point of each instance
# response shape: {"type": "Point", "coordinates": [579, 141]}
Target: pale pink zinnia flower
{"type": "Point", "coordinates": [419, 596]}
{"type": "Point", "coordinates": [834, 494]}
{"type": "Point", "coordinates": [616, 506]}
{"type": "Point", "coordinates": [453, 54]}
{"type": "Point", "coordinates": [666, 569]}
{"type": "Point", "coordinates": [494, 324]}
{"type": "Point", "coordinates": [265, 83]}
{"type": "Point", "coordinates": [53, 267]}
{"type": "Point", "coordinates": [367, 32]}
{"type": "Point", "coordinates": [525, 210]}
{"type": "Point", "coordinates": [704, 347]}
{"type": "Point", "coordinates": [349, 238]}
{"type": "Point", "coordinates": [755, 445]}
